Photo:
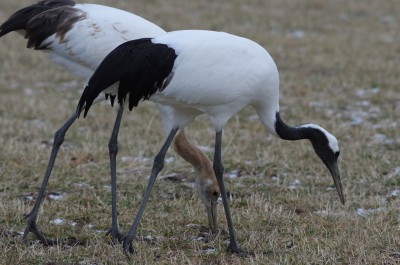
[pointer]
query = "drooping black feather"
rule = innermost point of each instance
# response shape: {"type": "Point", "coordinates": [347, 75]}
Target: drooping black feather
{"type": "Point", "coordinates": [112, 99]}
{"type": "Point", "coordinates": [140, 66]}
{"type": "Point", "coordinates": [20, 19]}
{"type": "Point", "coordinates": [54, 21]}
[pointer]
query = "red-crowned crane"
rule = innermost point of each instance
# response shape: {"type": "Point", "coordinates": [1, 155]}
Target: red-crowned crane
{"type": "Point", "coordinates": [78, 37]}
{"type": "Point", "coordinates": [195, 72]}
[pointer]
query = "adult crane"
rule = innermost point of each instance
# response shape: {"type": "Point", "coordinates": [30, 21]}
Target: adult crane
{"type": "Point", "coordinates": [195, 72]}
{"type": "Point", "coordinates": [78, 37]}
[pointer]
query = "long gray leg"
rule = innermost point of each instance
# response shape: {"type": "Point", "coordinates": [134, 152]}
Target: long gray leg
{"type": "Point", "coordinates": [58, 140]}
{"type": "Point", "coordinates": [158, 164]}
{"type": "Point", "coordinates": [219, 172]}
{"type": "Point", "coordinates": [113, 150]}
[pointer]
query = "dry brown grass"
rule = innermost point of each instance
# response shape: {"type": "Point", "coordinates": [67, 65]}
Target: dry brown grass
{"type": "Point", "coordinates": [339, 65]}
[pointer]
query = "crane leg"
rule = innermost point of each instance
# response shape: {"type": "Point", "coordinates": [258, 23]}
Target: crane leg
{"type": "Point", "coordinates": [32, 216]}
{"type": "Point", "coordinates": [219, 171]}
{"type": "Point", "coordinates": [158, 164]}
{"type": "Point", "coordinates": [113, 150]}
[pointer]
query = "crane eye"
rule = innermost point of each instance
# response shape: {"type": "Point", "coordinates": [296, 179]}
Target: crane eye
{"type": "Point", "coordinates": [337, 155]}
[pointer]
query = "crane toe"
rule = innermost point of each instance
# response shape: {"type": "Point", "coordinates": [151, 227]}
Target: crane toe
{"type": "Point", "coordinates": [32, 227]}
{"type": "Point", "coordinates": [127, 245]}
{"type": "Point", "coordinates": [116, 236]}
{"type": "Point", "coordinates": [240, 252]}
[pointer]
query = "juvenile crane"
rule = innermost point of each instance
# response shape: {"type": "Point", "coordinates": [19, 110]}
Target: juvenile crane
{"type": "Point", "coordinates": [197, 72]}
{"type": "Point", "coordinates": [78, 37]}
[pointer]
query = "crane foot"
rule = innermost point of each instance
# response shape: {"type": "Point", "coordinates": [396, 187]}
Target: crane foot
{"type": "Point", "coordinates": [128, 245]}
{"type": "Point", "coordinates": [116, 236]}
{"type": "Point", "coordinates": [32, 227]}
{"type": "Point", "coordinates": [240, 252]}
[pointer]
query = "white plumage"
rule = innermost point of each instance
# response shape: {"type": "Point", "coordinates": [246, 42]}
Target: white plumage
{"type": "Point", "coordinates": [195, 72]}
{"type": "Point", "coordinates": [244, 77]}
{"type": "Point", "coordinates": [89, 40]}
{"type": "Point", "coordinates": [78, 37]}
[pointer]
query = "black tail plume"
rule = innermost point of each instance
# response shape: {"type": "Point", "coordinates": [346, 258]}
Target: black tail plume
{"type": "Point", "coordinates": [140, 66]}
{"type": "Point", "coordinates": [20, 19]}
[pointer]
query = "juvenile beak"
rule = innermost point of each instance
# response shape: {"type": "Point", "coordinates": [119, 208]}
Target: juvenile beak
{"type": "Point", "coordinates": [212, 216]}
{"type": "Point", "coordinates": [336, 179]}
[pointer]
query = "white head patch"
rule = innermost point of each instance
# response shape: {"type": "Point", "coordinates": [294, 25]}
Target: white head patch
{"type": "Point", "coordinates": [333, 142]}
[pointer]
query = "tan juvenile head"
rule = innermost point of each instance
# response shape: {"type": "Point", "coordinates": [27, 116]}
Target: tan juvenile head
{"type": "Point", "coordinates": [206, 182]}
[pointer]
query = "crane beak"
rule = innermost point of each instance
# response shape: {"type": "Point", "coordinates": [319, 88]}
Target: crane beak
{"type": "Point", "coordinates": [333, 168]}
{"type": "Point", "coordinates": [212, 216]}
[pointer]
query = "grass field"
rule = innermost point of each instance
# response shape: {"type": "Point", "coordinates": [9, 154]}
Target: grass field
{"type": "Point", "coordinates": [339, 67]}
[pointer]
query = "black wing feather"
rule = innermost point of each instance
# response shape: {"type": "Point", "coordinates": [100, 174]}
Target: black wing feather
{"type": "Point", "coordinates": [20, 19]}
{"type": "Point", "coordinates": [54, 21]}
{"type": "Point", "coordinates": [140, 66]}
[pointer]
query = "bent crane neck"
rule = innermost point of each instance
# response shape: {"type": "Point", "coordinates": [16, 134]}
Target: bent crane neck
{"type": "Point", "coordinates": [286, 132]}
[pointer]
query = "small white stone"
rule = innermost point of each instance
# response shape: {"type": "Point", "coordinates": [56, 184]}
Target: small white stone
{"type": "Point", "coordinates": [205, 148]}
{"type": "Point", "coordinates": [395, 193]}
{"type": "Point", "coordinates": [364, 213]}
{"type": "Point", "coordinates": [297, 34]}
{"type": "Point", "coordinates": [55, 196]}
{"type": "Point", "coordinates": [210, 251]}
{"type": "Point", "coordinates": [233, 174]}
{"type": "Point", "coordinates": [57, 221]}
{"type": "Point", "coordinates": [28, 197]}
{"type": "Point", "coordinates": [293, 185]}
{"type": "Point", "coordinates": [169, 160]}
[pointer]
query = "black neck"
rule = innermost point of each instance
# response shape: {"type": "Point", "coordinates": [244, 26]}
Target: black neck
{"type": "Point", "coordinates": [290, 133]}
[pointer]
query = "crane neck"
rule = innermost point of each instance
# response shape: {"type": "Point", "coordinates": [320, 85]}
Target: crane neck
{"type": "Point", "coordinates": [286, 132]}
